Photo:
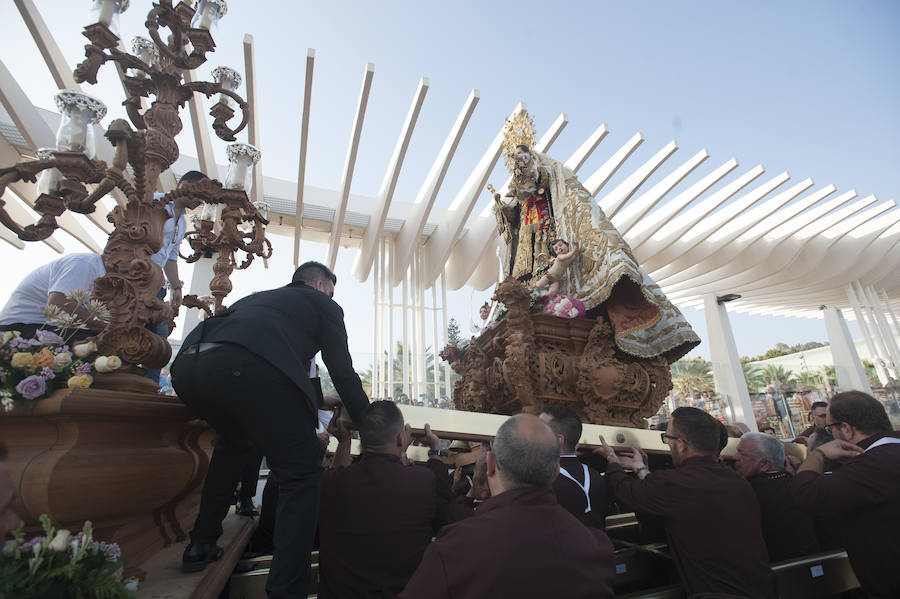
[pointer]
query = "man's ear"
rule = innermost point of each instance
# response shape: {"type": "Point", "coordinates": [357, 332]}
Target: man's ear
{"type": "Point", "coordinates": [555, 474]}
{"type": "Point", "coordinates": [491, 464]}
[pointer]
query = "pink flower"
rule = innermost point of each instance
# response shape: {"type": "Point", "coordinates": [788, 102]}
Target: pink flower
{"type": "Point", "coordinates": [32, 387]}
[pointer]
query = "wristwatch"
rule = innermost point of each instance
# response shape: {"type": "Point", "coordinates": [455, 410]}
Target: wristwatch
{"type": "Point", "coordinates": [438, 452]}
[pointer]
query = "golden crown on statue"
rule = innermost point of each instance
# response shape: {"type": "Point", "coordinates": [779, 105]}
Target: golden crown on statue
{"type": "Point", "coordinates": [518, 131]}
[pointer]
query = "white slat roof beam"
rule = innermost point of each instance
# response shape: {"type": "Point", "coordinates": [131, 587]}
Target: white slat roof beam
{"type": "Point", "coordinates": [643, 229]}
{"type": "Point", "coordinates": [602, 175]}
{"type": "Point", "coordinates": [783, 257]}
{"type": "Point", "coordinates": [482, 233]}
{"type": "Point", "coordinates": [19, 214]}
{"type": "Point", "coordinates": [53, 56]}
{"type": "Point", "coordinates": [448, 231]}
{"type": "Point", "coordinates": [304, 144]}
{"type": "Point", "coordinates": [724, 237]}
{"type": "Point", "coordinates": [614, 200]}
{"type": "Point", "coordinates": [715, 221]}
{"type": "Point", "coordinates": [257, 192]}
{"type": "Point", "coordinates": [681, 224]}
{"type": "Point", "coordinates": [201, 131]}
{"type": "Point", "coordinates": [725, 254]}
{"type": "Point", "coordinates": [633, 212]}
{"type": "Point", "coordinates": [337, 226]}
{"type": "Point", "coordinates": [7, 236]}
{"type": "Point", "coordinates": [28, 191]}
{"type": "Point", "coordinates": [367, 251]}
{"type": "Point", "coordinates": [410, 233]}
{"type": "Point", "coordinates": [587, 148]}
{"type": "Point", "coordinates": [830, 256]}
{"type": "Point", "coordinates": [765, 252]}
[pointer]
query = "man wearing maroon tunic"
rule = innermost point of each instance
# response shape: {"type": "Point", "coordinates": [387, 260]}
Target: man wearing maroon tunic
{"type": "Point", "coordinates": [864, 492]}
{"type": "Point", "coordinates": [699, 500]}
{"type": "Point", "coordinates": [528, 546]}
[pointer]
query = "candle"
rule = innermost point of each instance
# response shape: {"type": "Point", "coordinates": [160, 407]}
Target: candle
{"type": "Point", "coordinates": [106, 12]}
{"type": "Point", "coordinates": [208, 13]}
{"type": "Point", "coordinates": [242, 158]}
{"type": "Point", "coordinates": [146, 50]}
{"type": "Point", "coordinates": [48, 182]}
{"type": "Point", "coordinates": [78, 112]}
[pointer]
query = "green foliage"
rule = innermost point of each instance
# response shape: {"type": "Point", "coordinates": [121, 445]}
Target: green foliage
{"type": "Point", "coordinates": [754, 377]}
{"type": "Point", "coordinates": [61, 564]}
{"type": "Point", "coordinates": [692, 375]}
{"type": "Point", "coordinates": [453, 336]}
{"type": "Point", "coordinates": [783, 349]}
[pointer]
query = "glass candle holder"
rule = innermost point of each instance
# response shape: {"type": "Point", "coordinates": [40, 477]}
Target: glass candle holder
{"type": "Point", "coordinates": [262, 208]}
{"type": "Point", "coordinates": [78, 112]}
{"type": "Point", "coordinates": [208, 14]}
{"type": "Point", "coordinates": [106, 12]}
{"type": "Point", "coordinates": [229, 79]}
{"type": "Point", "coordinates": [241, 159]}
{"type": "Point", "coordinates": [145, 50]}
{"type": "Point", "coordinates": [49, 180]}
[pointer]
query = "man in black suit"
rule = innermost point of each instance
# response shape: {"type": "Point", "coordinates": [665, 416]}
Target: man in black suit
{"type": "Point", "coordinates": [580, 489]}
{"type": "Point", "coordinates": [246, 371]}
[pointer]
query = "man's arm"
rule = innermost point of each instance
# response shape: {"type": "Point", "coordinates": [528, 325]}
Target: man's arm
{"type": "Point", "coordinates": [855, 484]}
{"type": "Point", "coordinates": [650, 495]}
{"type": "Point", "coordinates": [342, 453]}
{"type": "Point", "coordinates": [171, 271]}
{"type": "Point", "coordinates": [336, 356]}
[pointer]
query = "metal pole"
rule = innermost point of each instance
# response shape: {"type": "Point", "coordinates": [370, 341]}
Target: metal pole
{"type": "Point", "coordinates": [448, 388]}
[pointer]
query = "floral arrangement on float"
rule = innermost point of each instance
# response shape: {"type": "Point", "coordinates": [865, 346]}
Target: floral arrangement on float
{"type": "Point", "coordinates": [32, 368]}
{"type": "Point", "coordinates": [60, 564]}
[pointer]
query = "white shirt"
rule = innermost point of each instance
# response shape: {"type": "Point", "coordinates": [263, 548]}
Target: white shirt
{"type": "Point", "coordinates": [173, 235]}
{"type": "Point", "coordinates": [71, 272]}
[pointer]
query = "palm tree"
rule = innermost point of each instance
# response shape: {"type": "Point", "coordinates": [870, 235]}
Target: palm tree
{"type": "Point", "coordinates": [692, 375]}
{"type": "Point", "coordinates": [808, 381]}
{"type": "Point", "coordinates": [829, 377]}
{"type": "Point", "coordinates": [397, 373]}
{"type": "Point", "coordinates": [754, 377]}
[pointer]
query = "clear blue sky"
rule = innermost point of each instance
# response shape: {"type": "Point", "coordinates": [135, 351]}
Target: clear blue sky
{"type": "Point", "coordinates": [807, 87]}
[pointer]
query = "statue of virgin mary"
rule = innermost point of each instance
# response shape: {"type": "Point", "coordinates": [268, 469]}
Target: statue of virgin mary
{"type": "Point", "coordinates": [547, 203]}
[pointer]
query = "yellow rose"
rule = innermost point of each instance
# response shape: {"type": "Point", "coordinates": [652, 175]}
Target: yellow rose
{"type": "Point", "coordinates": [22, 359]}
{"type": "Point", "coordinates": [80, 381]}
{"type": "Point", "coordinates": [113, 362]}
{"type": "Point", "coordinates": [42, 358]}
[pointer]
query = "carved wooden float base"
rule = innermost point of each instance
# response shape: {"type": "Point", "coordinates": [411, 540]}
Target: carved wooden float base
{"type": "Point", "coordinates": [530, 360]}
{"type": "Point", "coordinates": [131, 463]}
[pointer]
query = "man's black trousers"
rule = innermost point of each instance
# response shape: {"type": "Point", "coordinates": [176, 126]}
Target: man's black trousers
{"type": "Point", "coordinates": [251, 403]}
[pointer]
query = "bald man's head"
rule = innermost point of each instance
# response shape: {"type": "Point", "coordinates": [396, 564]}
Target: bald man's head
{"type": "Point", "coordinates": [526, 452]}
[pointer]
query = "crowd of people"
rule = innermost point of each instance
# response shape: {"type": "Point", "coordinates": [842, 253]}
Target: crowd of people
{"type": "Point", "coordinates": [530, 519]}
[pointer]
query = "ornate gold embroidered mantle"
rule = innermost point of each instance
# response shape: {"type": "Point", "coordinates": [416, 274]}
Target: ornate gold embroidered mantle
{"type": "Point", "coordinates": [530, 360]}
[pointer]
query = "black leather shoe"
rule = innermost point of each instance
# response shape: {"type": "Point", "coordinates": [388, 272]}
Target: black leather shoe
{"type": "Point", "coordinates": [246, 508]}
{"type": "Point", "coordinates": [197, 556]}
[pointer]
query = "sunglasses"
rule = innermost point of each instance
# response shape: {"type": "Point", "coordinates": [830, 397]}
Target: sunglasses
{"type": "Point", "coordinates": [667, 437]}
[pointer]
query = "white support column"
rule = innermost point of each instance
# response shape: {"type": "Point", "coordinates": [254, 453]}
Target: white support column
{"type": "Point", "coordinates": [870, 345]}
{"type": "Point", "coordinates": [884, 329]}
{"type": "Point", "coordinates": [887, 304]}
{"type": "Point", "coordinates": [436, 343]}
{"type": "Point", "coordinates": [727, 371]}
{"type": "Point", "coordinates": [847, 365]}
{"type": "Point", "coordinates": [420, 292]}
{"type": "Point", "coordinates": [405, 311]}
{"type": "Point", "coordinates": [880, 344]}
{"type": "Point", "coordinates": [448, 387]}
{"type": "Point", "coordinates": [378, 307]}
{"type": "Point", "coordinates": [201, 277]}
{"type": "Point", "coordinates": [389, 257]}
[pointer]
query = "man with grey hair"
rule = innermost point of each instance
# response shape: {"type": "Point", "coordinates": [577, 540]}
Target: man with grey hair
{"type": "Point", "coordinates": [522, 532]}
{"type": "Point", "coordinates": [788, 531]}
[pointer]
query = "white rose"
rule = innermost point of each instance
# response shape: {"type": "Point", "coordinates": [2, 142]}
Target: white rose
{"type": "Point", "coordinates": [7, 335]}
{"type": "Point", "coordinates": [61, 360]}
{"type": "Point", "coordinates": [61, 541]}
{"type": "Point", "coordinates": [113, 362]}
{"type": "Point", "coordinates": [101, 364]}
{"type": "Point", "coordinates": [83, 350]}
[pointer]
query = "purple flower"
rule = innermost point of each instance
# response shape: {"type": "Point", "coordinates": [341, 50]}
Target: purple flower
{"type": "Point", "coordinates": [32, 387]}
{"type": "Point", "coordinates": [19, 343]}
{"type": "Point", "coordinates": [84, 368]}
{"type": "Point", "coordinates": [111, 551]}
{"type": "Point", "coordinates": [47, 373]}
{"type": "Point", "coordinates": [48, 337]}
